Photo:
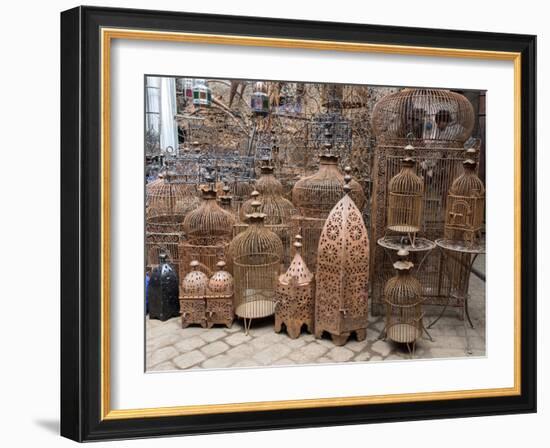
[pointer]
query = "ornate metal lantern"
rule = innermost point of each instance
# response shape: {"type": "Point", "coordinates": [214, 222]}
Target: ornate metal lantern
{"type": "Point", "coordinates": [403, 297]}
{"type": "Point", "coordinates": [295, 297]}
{"type": "Point", "coordinates": [405, 200]}
{"type": "Point", "coordinates": [465, 205]}
{"type": "Point", "coordinates": [256, 255]}
{"type": "Point", "coordinates": [202, 95]}
{"type": "Point", "coordinates": [341, 299]}
{"type": "Point", "coordinates": [162, 291]}
{"type": "Point", "coordinates": [259, 102]}
{"type": "Point", "coordinates": [219, 298]}
{"type": "Point", "coordinates": [192, 297]}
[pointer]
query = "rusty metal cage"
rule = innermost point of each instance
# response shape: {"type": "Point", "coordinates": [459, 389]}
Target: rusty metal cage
{"type": "Point", "coordinates": [219, 297]}
{"type": "Point", "coordinates": [192, 297]}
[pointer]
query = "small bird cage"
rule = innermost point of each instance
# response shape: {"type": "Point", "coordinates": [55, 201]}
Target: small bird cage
{"type": "Point", "coordinates": [256, 255]}
{"type": "Point", "coordinates": [219, 297]}
{"type": "Point", "coordinates": [226, 200]}
{"type": "Point", "coordinates": [202, 95]}
{"type": "Point", "coordinates": [405, 200]}
{"type": "Point", "coordinates": [162, 291]}
{"type": "Point", "coordinates": [295, 296]}
{"type": "Point", "coordinates": [167, 204]}
{"type": "Point", "coordinates": [208, 230]}
{"type": "Point", "coordinates": [240, 191]}
{"type": "Point", "coordinates": [341, 299]}
{"type": "Point", "coordinates": [193, 297]}
{"type": "Point", "coordinates": [466, 205]}
{"type": "Point", "coordinates": [259, 101]}
{"type": "Point", "coordinates": [403, 297]}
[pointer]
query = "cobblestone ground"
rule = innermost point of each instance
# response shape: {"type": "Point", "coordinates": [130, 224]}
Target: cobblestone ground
{"type": "Point", "coordinates": [169, 347]}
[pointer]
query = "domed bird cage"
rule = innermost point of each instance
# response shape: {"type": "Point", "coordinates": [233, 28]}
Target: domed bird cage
{"type": "Point", "coordinates": [403, 297]}
{"type": "Point", "coordinates": [315, 196]}
{"type": "Point", "coordinates": [466, 204]}
{"type": "Point", "coordinates": [219, 297]}
{"type": "Point", "coordinates": [278, 210]}
{"type": "Point", "coordinates": [256, 255]}
{"type": "Point", "coordinates": [341, 298]}
{"type": "Point", "coordinates": [202, 95]}
{"type": "Point", "coordinates": [295, 296]}
{"type": "Point", "coordinates": [436, 123]}
{"type": "Point", "coordinates": [208, 230]}
{"type": "Point", "coordinates": [259, 101]}
{"type": "Point", "coordinates": [192, 297]}
{"type": "Point", "coordinates": [405, 200]}
{"type": "Point", "coordinates": [167, 204]}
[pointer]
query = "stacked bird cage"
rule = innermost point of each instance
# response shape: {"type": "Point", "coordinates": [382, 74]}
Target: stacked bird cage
{"type": "Point", "coordinates": [295, 306]}
{"type": "Point", "coordinates": [192, 297]}
{"type": "Point", "coordinates": [208, 230]}
{"type": "Point", "coordinates": [436, 123]}
{"type": "Point", "coordinates": [341, 297]}
{"type": "Point", "coordinates": [219, 297]}
{"type": "Point", "coordinates": [167, 204]}
{"type": "Point", "coordinates": [256, 255]}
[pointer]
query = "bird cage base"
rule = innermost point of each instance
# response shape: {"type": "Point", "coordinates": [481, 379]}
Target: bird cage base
{"type": "Point", "coordinates": [295, 307]}
{"type": "Point", "coordinates": [256, 309]}
{"type": "Point", "coordinates": [219, 310]}
{"type": "Point", "coordinates": [404, 228]}
{"type": "Point", "coordinates": [403, 333]}
{"type": "Point", "coordinates": [193, 311]}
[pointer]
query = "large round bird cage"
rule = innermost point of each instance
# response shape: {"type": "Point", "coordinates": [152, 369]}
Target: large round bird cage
{"type": "Point", "coordinates": [405, 200]}
{"type": "Point", "coordinates": [315, 196]}
{"type": "Point", "coordinates": [167, 203]}
{"type": "Point", "coordinates": [341, 297]}
{"type": "Point", "coordinates": [208, 230]}
{"type": "Point", "coordinates": [219, 297]}
{"type": "Point", "coordinates": [256, 255]}
{"type": "Point", "coordinates": [436, 123]}
{"type": "Point", "coordinates": [278, 210]}
{"type": "Point", "coordinates": [403, 296]}
{"type": "Point", "coordinates": [295, 305]}
{"type": "Point", "coordinates": [192, 297]}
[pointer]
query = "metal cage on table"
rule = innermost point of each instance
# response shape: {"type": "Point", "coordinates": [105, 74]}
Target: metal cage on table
{"type": "Point", "coordinates": [436, 123]}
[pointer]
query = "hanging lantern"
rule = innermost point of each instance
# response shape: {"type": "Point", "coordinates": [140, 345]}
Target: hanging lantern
{"type": "Point", "coordinates": [192, 297]}
{"type": "Point", "coordinates": [405, 200]}
{"type": "Point", "coordinates": [341, 300]}
{"type": "Point", "coordinates": [162, 291]}
{"type": "Point", "coordinates": [202, 95]}
{"type": "Point", "coordinates": [259, 102]}
{"type": "Point", "coordinates": [295, 299]}
{"type": "Point", "coordinates": [403, 297]}
{"type": "Point", "coordinates": [256, 255]}
{"type": "Point", "coordinates": [466, 204]}
{"type": "Point", "coordinates": [219, 298]}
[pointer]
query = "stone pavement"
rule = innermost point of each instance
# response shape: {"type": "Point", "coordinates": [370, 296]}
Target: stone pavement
{"type": "Point", "coordinates": [169, 347]}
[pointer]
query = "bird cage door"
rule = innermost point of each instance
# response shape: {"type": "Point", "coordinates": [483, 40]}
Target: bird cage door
{"type": "Point", "coordinates": [460, 214]}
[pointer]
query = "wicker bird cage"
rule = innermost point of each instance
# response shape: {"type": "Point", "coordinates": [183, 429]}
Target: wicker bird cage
{"type": "Point", "coordinates": [208, 231]}
{"type": "Point", "coordinates": [240, 191]}
{"type": "Point", "coordinates": [226, 201]}
{"type": "Point", "coordinates": [219, 298]}
{"type": "Point", "coordinates": [341, 299]}
{"type": "Point", "coordinates": [436, 123]}
{"type": "Point", "coordinates": [256, 255]}
{"type": "Point", "coordinates": [466, 205]}
{"type": "Point", "coordinates": [405, 200]}
{"type": "Point", "coordinates": [192, 297]}
{"type": "Point", "coordinates": [167, 204]}
{"type": "Point", "coordinates": [295, 296]}
{"type": "Point", "coordinates": [315, 196]}
{"type": "Point", "coordinates": [403, 297]}
{"type": "Point", "coordinates": [278, 210]}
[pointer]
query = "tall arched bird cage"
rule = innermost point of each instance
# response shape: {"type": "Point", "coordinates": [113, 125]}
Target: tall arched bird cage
{"type": "Point", "coordinates": [436, 123]}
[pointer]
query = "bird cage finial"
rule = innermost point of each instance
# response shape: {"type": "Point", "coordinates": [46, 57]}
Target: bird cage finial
{"type": "Point", "coordinates": [347, 180]}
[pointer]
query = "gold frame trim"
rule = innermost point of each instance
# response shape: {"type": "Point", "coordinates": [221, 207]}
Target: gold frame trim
{"type": "Point", "coordinates": [107, 35]}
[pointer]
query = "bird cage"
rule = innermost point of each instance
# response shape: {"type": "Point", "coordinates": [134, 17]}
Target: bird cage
{"type": "Point", "coordinates": [226, 200]}
{"type": "Point", "coordinates": [256, 255]}
{"type": "Point", "coordinates": [436, 123]}
{"type": "Point", "coordinates": [167, 204]}
{"type": "Point", "coordinates": [403, 297]}
{"type": "Point", "coordinates": [202, 95]}
{"type": "Point", "coordinates": [295, 306]}
{"type": "Point", "coordinates": [465, 205]}
{"type": "Point", "coordinates": [341, 299]}
{"type": "Point", "coordinates": [315, 196]}
{"type": "Point", "coordinates": [193, 297]}
{"type": "Point", "coordinates": [278, 210]}
{"type": "Point", "coordinates": [208, 230]}
{"type": "Point", "coordinates": [240, 192]}
{"type": "Point", "coordinates": [219, 297]}
{"type": "Point", "coordinates": [405, 200]}
{"type": "Point", "coordinates": [162, 291]}
{"type": "Point", "coordinates": [259, 101]}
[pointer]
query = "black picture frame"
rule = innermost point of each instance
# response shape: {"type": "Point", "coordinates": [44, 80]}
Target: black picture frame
{"type": "Point", "coordinates": [81, 224]}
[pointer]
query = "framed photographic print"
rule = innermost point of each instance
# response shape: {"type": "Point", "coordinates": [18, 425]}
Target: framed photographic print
{"type": "Point", "coordinates": [271, 223]}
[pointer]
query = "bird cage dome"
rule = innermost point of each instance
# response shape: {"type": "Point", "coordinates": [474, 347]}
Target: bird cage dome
{"type": "Point", "coordinates": [405, 200]}
{"type": "Point", "coordinates": [341, 300]}
{"type": "Point", "coordinates": [192, 297]}
{"type": "Point", "coordinates": [256, 255]}
{"type": "Point", "coordinates": [208, 231]}
{"type": "Point", "coordinates": [466, 204]}
{"type": "Point", "coordinates": [259, 102]}
{"type": "Point", "coordinates": [295, 301]}
{"type": "Point", "coordinates": [403, 297]}
{"type": "Point", "coordinates": [219, 297]}
{"type": "Point", "coordinates": [202, 95]}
